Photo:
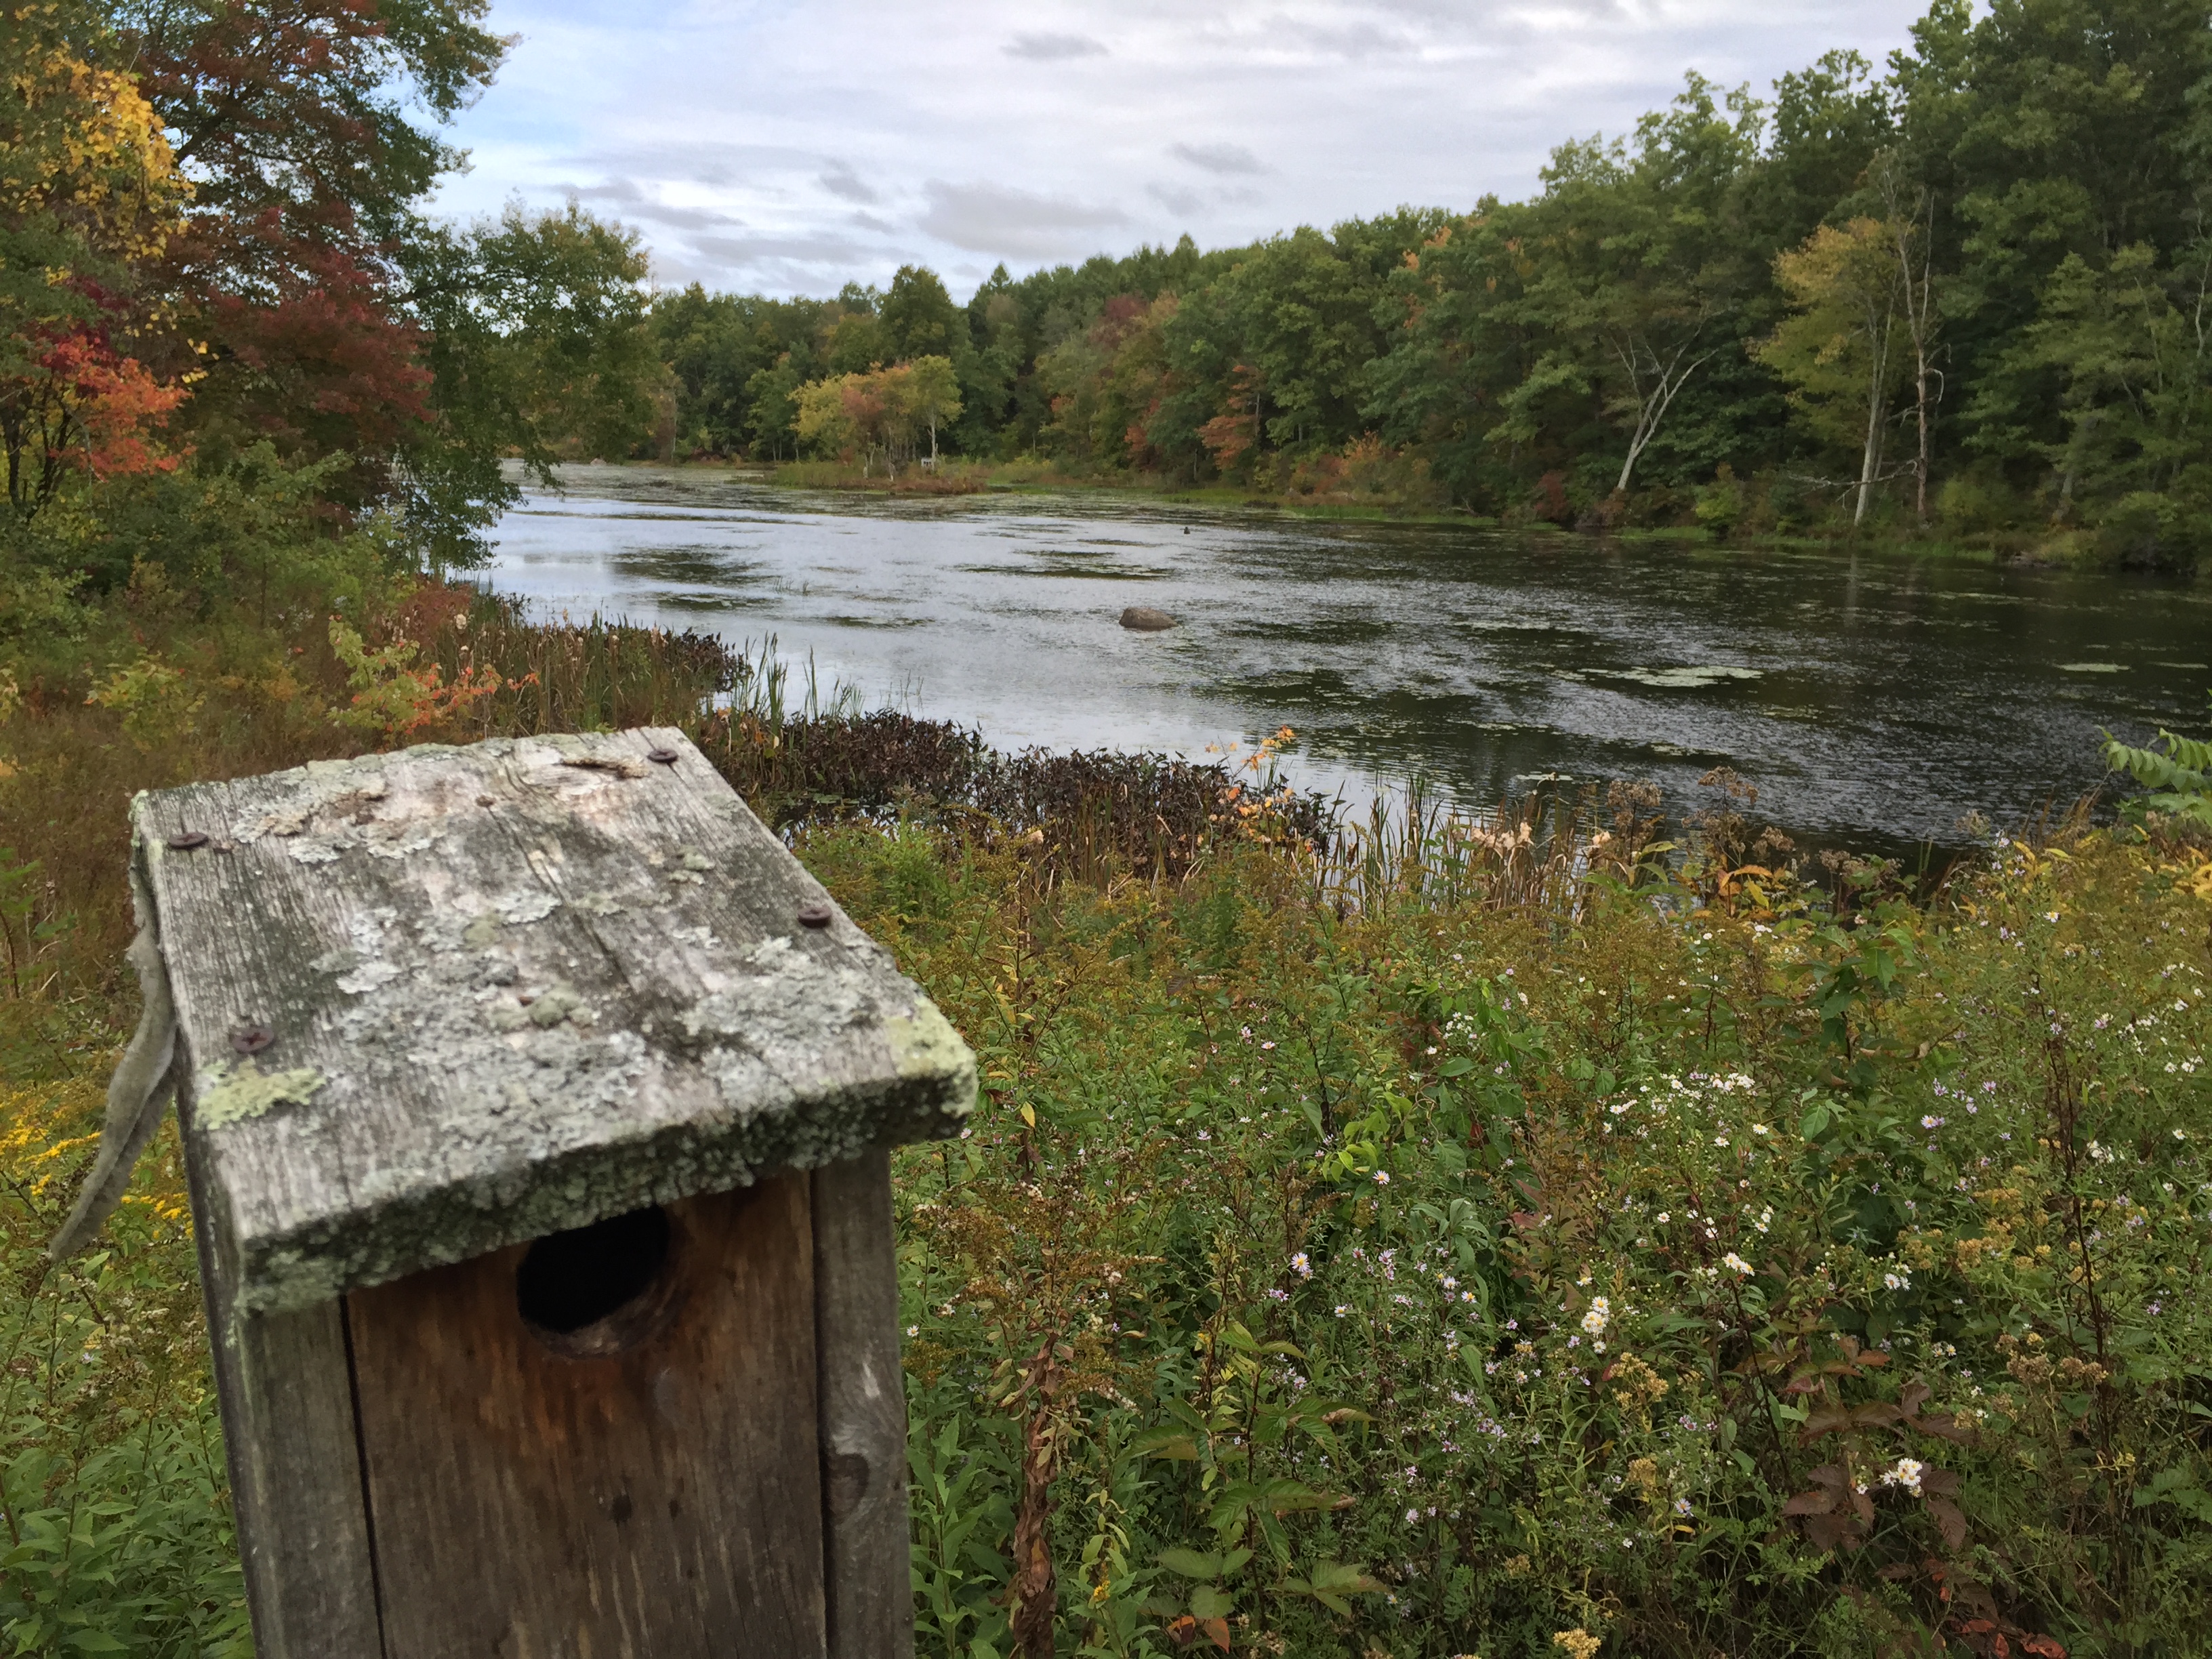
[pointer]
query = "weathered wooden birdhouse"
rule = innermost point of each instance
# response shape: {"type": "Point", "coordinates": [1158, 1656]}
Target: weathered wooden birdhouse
{"type": "Point", "coordinates": [535, 1102]}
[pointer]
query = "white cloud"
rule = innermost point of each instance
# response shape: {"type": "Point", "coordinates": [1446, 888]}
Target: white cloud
{"type": "Point", "coordinates": [626, 199]}
{"type": "Point", "coordinates": [743, 137]}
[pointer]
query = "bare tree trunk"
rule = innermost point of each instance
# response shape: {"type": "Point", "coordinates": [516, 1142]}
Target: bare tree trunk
{"type": "Point", "coordinates": [2074, 449]}
{"type": "Point", "coordinates": [1916, 247]}
{"type": "Point", "coordinates": [1879, 320]}
{"type": "Point", "coordinates": [1920, 412]}
{"type": "Point", "coordinates": [1869, 460]}
{"type": "Point", "coordinates": [1650, 403]}
{"type": "Point", "coordinates": [1917, 319]}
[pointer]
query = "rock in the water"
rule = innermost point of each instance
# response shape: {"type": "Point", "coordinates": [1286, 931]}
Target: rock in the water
{"type": "Point", "coordinates": [1146, 620]}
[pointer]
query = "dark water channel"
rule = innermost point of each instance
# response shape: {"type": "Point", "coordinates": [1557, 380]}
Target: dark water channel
{"type": "Point", "coordinates": [1874, 699]}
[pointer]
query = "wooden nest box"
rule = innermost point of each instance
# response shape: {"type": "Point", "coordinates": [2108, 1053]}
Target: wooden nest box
{"type": "Point", "coordinates": [535, 1102]}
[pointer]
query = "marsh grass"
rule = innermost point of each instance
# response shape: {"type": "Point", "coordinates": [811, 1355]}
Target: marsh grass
{"type": "Point", "coordinates": [1557, 1247]}
{"type": "Point", "coordinates": [948, 478]}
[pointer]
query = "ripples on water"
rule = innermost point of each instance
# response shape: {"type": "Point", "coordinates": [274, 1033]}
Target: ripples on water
{"type": "Point", "coordinates": [1873, 698]}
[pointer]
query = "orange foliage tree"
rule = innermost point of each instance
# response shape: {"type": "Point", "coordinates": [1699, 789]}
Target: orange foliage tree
{"type": "Point", "coordinates": [1235, 432]}
{"type": "Point", "coordinates": [79, 403]}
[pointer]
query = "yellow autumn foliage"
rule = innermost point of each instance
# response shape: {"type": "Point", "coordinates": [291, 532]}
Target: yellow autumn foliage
{"type": "Point", "coordinates": [80, 146]}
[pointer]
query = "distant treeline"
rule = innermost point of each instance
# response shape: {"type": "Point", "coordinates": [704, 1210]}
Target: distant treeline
{"type": "Point", "coordinates": [1970, 289]}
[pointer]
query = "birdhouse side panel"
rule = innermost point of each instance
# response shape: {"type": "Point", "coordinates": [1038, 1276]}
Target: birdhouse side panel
{"type": "Point", "coordinates": [864, 1465]}
{"type": "Point", "coordinates": [287, 1396]}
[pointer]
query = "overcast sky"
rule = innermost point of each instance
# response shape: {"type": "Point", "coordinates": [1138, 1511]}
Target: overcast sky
{"type": "Point", "coordinates": [790, 146]}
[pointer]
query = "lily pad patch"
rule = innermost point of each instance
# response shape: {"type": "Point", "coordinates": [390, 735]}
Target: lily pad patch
{"type": "Point", "coordinates": [1690, 678]}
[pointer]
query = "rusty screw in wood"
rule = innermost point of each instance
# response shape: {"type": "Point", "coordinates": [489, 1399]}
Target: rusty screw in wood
{"type": "Point", "coordinates": [815, 915]}
{"type": "Point", "coordinates": [251, 1039]}
{"type": "Point", "coordinates": [661, 756]}
{"type": "Point", "coordinates": [184, 841]}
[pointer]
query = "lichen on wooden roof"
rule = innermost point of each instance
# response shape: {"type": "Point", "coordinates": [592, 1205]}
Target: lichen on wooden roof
{"type": "Point", "coordinates": [438, 1002]}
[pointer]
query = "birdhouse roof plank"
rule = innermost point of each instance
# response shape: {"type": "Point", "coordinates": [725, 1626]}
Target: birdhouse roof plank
{"type": "Point", "coordinates": [438, 1002]}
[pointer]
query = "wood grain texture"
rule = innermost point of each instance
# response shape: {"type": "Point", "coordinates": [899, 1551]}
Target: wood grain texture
{"type": "Point", "coordinates": [863, 1470]}
{"type": "Point", "coordinates": [660, 1503]}
{"type": "Point", "coordinates": [514, 988]}
{"type": "Point", "coordinates": [286, 1397]}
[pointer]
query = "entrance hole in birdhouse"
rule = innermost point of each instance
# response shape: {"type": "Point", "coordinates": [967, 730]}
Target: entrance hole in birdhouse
{"type": "Point", "coordinates": [595, 1291]}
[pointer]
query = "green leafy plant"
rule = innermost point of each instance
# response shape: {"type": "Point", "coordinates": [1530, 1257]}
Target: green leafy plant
{"type": "Point", "coordinates": [2178, 773]}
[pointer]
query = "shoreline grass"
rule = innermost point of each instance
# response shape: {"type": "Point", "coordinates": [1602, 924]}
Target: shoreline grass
{"type": "Point", "coordinates": [961, 477]}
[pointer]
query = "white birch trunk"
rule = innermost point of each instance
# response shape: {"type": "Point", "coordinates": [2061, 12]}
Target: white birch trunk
{"type": "Point", "coordinates": [1652, 404]}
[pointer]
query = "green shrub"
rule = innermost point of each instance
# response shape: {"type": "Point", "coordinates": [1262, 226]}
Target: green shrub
{"type": "Point", "coordinates": [2178, 772]}
{"type": "Point", "coordinates": [1720, 505]}
{"type": "Point", "coordinates": [1972, 506]}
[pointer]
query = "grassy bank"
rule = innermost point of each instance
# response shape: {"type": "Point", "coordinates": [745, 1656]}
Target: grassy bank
{"type": "Point", "coordinates": [1477, 1242]}
{"type": "Point", "coordinates": [1330, 500]}
{"type": "Point", "coordinates": [1031, 474]}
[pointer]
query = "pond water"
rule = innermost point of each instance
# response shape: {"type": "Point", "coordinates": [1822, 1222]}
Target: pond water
{"type": "Point", "coordinates": [1874, 698]}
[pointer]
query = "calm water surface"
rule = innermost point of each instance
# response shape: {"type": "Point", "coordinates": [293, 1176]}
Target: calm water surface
{"type": "Point", "coordinates": [1873, 698]}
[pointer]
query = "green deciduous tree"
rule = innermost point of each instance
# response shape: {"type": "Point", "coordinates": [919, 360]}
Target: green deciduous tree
{"type": "Point", "coordinates": [928, 396]}
{"type": "Point", "coordinates": [918, 318]}
{"type": "Point", "coordinates": [1648, 256]}
{"type": "Point", "coordinates": [2075, 128]}
{"type": "Point", "coordinates": [538, 345]}
{"type": "Point", "coordinates": [884, 411]}
{"type": "Point", "coordinates": [1837, 348]}
{"type": "Point", "coordinates": [2131, 346]}
{"type": "Point", "coordinates": [772, 412]}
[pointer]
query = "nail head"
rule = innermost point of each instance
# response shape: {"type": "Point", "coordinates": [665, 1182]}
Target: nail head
{"type": "Point", "coordinates": [815, 915]}
{"type": "Point", "coordinates": [661, 756]}
{"type": "Point", "coordinates": [185, 840]}
{"type": "Point", "coordinates": [251, 1039]}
